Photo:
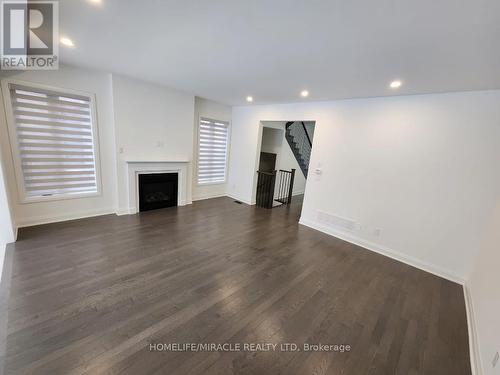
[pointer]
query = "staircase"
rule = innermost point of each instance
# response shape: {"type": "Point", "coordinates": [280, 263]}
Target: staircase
{"type": "Point", "coordinates": [300, 142]}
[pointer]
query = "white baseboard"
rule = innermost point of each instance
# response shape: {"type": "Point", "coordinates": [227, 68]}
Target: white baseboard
{"type": "Point", "coordinates": [240, 199]}
{"type": "Point", "coordinates": [208, 196]}
{"type": "Point", "coordinates": [28, 222]}
{"type": "Point", "coordinates": [438, 271]}
{"type": "Point", "coordinates": [124, 211]}
{"type": "Point", "coordinates": [298, 193]}
{"type": "Point", "coordinates": [475, 359]}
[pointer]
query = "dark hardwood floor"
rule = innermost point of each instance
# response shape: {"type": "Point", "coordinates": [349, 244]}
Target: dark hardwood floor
{"type": "Point", "coordinates": [90, 296]}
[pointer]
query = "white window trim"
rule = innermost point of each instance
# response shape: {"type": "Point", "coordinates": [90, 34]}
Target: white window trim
{"type": "Point", "coordinates": [11, 126]}
{"type": "Point", "coordinates": [228, 147]}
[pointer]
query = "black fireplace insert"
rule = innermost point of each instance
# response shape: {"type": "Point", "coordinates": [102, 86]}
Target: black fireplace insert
{"type": "Point", "coordinates": [157, 190]}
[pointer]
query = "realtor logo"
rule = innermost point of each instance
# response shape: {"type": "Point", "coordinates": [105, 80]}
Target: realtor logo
{"type": "Point", "coordinates": [29, 39]}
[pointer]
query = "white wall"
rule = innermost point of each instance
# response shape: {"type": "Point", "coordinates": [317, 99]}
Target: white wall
{"type": "Point", "coordinates": [215, 111]}
{"type": "Point", "coordinates": [272, 141]}
{"type": "Point", "coordinates": [152, 123]}
{"type": "Point", "coordinates": [422, 169]}
{"type": "Point", "coordinates": [75, 79]}
{"type": "Point", "coordinates": [136, 121]}
{"type": "Point", "coordinates": [483, 288]}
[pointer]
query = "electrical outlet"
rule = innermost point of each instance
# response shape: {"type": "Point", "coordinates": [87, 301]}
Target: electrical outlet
{"type": "Point", "coordinates": [160, 144]}
{"type": "Point", "coordinates": [376, 232]}
{"type": "Point", "coordinates": [121, 150]}
{"type": "Point", "coordinates": [495, 359]}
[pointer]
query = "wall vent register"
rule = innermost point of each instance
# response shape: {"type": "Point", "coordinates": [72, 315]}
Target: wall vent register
{"type": "Point", "coordinates": [53, 142]}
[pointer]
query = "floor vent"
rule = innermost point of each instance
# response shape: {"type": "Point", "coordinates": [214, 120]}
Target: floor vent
{"type": "Point", "coordinates": [238, 202]}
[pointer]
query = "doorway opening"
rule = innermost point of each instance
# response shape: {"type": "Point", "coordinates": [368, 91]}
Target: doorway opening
{"type": "Point", "coordinates": [283, 164]}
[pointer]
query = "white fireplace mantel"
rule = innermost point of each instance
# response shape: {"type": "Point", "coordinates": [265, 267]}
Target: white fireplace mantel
{"type": "Point", "coordinates": [137, 167]}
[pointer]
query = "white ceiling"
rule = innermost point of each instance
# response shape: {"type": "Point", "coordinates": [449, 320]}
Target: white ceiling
{"type": "Point", "coordinates": [272, 49]}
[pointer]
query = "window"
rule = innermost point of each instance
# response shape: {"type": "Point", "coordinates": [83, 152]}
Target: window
{"type": "Point", "coordinates": [53, 142]}
{"type": "Point", "coordinates": [212, 151]}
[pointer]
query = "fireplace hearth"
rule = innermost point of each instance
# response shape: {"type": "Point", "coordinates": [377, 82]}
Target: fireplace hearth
{"type": "Point", "coordinates": [157, 190]}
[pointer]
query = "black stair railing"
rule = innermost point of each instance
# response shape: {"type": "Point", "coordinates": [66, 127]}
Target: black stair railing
{"type": "Point", "coordinates": [285, 186]}
{"type": "Point", "coordinates": [267, 193]}
{"type": "Point", "coordinates": [299, 141]}
{"type": "Point", "coordinates": [265, 189]}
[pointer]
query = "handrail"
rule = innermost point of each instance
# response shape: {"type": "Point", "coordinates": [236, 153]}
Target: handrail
{"type": "Point", "coordinates": [307, 134]}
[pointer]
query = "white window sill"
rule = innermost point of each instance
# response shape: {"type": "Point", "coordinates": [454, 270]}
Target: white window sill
{"type": "Point", "coordinates": [50, 198]}
{"type": "Point", "coordinates": [211, 183]}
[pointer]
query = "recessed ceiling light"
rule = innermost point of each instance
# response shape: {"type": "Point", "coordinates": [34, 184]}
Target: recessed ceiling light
{"type": "Point", "coordinates": [395, 84]}
{"type": "Point", "coordinates": [304, 93]}
{"type": "Point", "coordinates": [249, 99]}
{"type": "Point", "coordinates": [97, 2]}
{"type": "Point", "coordinates": [67, 42]}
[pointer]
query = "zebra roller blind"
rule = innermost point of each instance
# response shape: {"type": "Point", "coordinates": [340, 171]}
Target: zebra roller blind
{"type": "Point", "coordinates": [55, 142]}
{"type": "Point", "coordinates": [212, 151]}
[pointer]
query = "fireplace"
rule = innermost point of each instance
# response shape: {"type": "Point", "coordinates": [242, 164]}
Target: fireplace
{"type": "Point", "coordinates": [136, 168]}
{"type": "Point", "coordinates": [157, 190]}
